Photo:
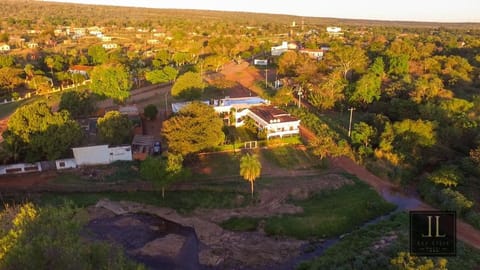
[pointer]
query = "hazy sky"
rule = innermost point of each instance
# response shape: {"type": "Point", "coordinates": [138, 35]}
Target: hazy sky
{"type": "Point", "coordinates": [416, 10]}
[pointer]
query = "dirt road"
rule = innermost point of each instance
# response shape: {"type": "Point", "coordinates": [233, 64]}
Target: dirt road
{"type": "Point", "coordinates": [465, 232]}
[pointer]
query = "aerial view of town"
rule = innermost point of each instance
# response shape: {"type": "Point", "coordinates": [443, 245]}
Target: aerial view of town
{"type": "Point", "coordinates": [212, 135]}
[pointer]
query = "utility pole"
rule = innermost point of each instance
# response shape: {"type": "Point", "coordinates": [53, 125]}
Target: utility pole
{"type": "Point", "coordinates": [350, 125]}
{"type": "Point", "coordinates": [299, 93]}
{"type": "Point", "coordinates": [266, 78]}
{"type": "Point", "coordinates": [166, 106]}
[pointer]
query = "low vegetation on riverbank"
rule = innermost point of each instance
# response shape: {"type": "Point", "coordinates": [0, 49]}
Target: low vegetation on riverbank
{"type": "Point", "coordinates": [374, 247]}
{"type": "Point", "coordinates": [326, 214]}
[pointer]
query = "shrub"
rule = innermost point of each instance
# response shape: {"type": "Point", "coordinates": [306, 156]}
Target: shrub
{"type": "Point", "coordinates": [150, 111]}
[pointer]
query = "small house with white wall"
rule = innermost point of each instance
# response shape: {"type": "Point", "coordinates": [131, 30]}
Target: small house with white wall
{"type": "Point", "coordinates": [4, 48]}
{"type": "Point", "coordinates": [101, 154]}
{"type": "Point", "coordinates": [276, 122]}
{"type": "Point", "coordinates": [279, 50]}
{"type": "Point", "coordinates": [80, 69]}
{"type": "Point", "coordinates": [334, 31]}
{"type": "Point", "coordinates": [32, 45]}
{"type": "Point", "coordinates": [314, 54]}
{"type": "Point", "coordinates": [67, 163]}
{"type": "Point", "coordinates": [109, 46]}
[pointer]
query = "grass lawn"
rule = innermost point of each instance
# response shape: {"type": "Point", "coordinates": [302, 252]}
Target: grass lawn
{"type": "Point", "coordinates": [240, 224]}
{"type": "Point", "coordinates": [215, 165]}
{"type": "Point", "coordinates": [356, 250]}
{"type": "Point", "coordinates": [117, 172]}
{"type": "Point", "coordinates": [182, 201]}
{"type": "Point", "coordinates": [7, 109]}
{"type": "Point", "coordinates": [326, 214]}
{"type": "Point", "coordinates": [289, 157]}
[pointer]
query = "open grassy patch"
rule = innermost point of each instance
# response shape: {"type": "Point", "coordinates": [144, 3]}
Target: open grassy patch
{"type": "Point", "coordinates": [240, 224]}
{"type": "Point", "coordinates": [215, 165]}
{"type": "Point", "coordinates": [326, 214]}
{"type": "Point", "coordinates": [117, 172]}
{"type": "Point", "coordinates": [331, 213]}
{"type": "Point", "coordinates": [362, 249]}
{"type": "Point", "coordinates": [182, 201]}
{"type": "Point", "coordinates": [289, 157]}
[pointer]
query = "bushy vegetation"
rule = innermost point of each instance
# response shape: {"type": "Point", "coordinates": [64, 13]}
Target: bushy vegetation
{"type": "Point", "coordinates": [364, 249]}
{"type": "Point", "coordinates": [183, 201]}
{"type": "Point", "coordinates": [50, 238]}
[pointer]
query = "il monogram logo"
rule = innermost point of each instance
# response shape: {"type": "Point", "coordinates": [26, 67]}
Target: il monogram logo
{"type": "Point", "coordinates": [437, 227]}
{"type": "Point", "coordinates": [433, 233]}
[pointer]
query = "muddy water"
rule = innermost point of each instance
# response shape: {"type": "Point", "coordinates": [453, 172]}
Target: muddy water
{"type": "Point", "coordinates": [133, 231]}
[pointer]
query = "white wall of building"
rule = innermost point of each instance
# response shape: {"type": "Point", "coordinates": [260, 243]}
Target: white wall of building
{"type": "Point", "coordinates": [92, 155]}
{"type": "Point", "coordinates": [63, 164]}
{"type": "Point", "coordinates": [20, 168]}
{"type": "Point", "coordinates": [120, 153]}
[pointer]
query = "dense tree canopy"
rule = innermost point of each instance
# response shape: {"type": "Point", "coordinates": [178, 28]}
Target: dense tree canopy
{"type": "Point", "coordinates": [115, 128]}
{"type": "Point", "coordinates": [167, 74]}
{"type": "Point", "coordinates": [112, 81]}
{"type": "Point", "coordinates": [196, 127]}
{"type": "Point", "coordinates": [188, 86]}
{"type": "Point", "coordinates": [162, 171]}
{"type": "Point", "coordinates": [78, 103]}
{"type": "Point", "coordinates": [51, 238]}
{"type": "Point", "coordinates": [36, 133]}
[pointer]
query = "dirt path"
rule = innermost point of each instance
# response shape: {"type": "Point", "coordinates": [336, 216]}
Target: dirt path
{"type": "Point", "coordinates": [465, 232]}
{"type": "Point", "coordinates": [392, 193]}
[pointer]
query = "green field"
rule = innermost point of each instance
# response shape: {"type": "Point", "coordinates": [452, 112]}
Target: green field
{"type": "Point", "coordinates": [290, 157]}
{"type": "Point", "coordinates": [326, 214]}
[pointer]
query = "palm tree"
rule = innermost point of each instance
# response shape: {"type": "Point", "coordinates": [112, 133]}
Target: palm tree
{"type": "Point", "coordinates": [250, 168]}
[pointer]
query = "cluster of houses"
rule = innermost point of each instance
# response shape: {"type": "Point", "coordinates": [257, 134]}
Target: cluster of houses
{"type": "Point", "coordinates": [316, 54]}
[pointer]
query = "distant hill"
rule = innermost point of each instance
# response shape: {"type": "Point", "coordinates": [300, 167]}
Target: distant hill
{"type": "Point", "coordinates": [96, 14]}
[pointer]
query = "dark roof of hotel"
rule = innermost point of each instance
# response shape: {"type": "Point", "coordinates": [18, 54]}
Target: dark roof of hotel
{"type": "Point", "coordinates": [270, 113]}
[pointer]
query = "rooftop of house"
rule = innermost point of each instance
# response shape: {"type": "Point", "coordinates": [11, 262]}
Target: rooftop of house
{"type": "Point", "coordinates": [272, 114]}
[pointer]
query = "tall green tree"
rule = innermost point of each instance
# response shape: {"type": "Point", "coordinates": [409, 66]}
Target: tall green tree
{"type": "Point", "coordinates": [78, 103]}
{"type": "Point", "coordinates": [167, 74]}
{"type": "Point", "coordinates": [51, 238]}
{"type": "Point", "coordinates": [398, 64]}
{"type": "Point", "coordinates": [196, 127]}
{"type": "Point", "coordinates": [115, 128]}
{"type": "Point", "coordinates": [162, 171]}
{"type": "Point", "coordinates": [188, 86]}
{"type": "Point", "coordinates": [347, 58]}
{"type": "Point", "coordinates": [112, 81]}
{"type": "Point", "coordinates": [37, 133]}
{"type": "Point", "coordinates": [98, 54]}
{"type": "Point", "coordinates": [10, 78]}
{"type": "Point", "coordinates": [250, 169]}
{"type": "Point", "coordinates": [327, 93]}
{"type": "Point", "coordinates": [368, 88]}
{"type": "Point", "coordinates": [362, 136]}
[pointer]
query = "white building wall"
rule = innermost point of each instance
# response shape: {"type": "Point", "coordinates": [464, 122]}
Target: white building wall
{"type": "Point", "coordinates": [92, 155]}
{"type": "Point", "coordinates": [120, 153]}
{"type": "Point", "coordinates": [20, 168]}
{"type": "Point", "coordinates": [63, 164]}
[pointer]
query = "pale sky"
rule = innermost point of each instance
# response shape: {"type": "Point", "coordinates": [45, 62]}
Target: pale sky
{"type": "Point", "coordinates": [411, 10]}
